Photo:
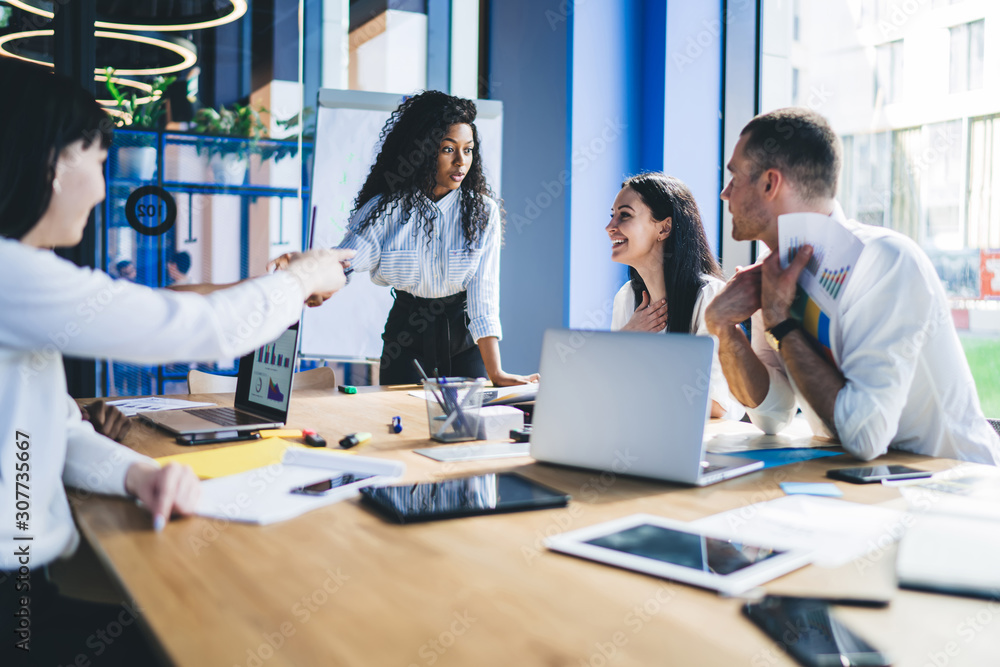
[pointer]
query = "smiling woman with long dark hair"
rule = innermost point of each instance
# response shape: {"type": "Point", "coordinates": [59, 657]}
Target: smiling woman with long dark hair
{"type": "Point", "coordinates": [426, 224]}
{"type": "Point", "coordinates": [656, 230]}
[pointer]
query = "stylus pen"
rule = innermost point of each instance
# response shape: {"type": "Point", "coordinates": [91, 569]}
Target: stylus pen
{"type": "Point", "coordinates": [427, 383]}
{"type": "Point", "coordinates": [443, 401]}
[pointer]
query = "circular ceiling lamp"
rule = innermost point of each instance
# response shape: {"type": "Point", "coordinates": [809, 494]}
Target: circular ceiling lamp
{"type": "Point", "coordinates": [130, 83]}
{"type": "Point", "coordinates": [115, 49]}
{"type": "Point", "coordinates": [138, 16]}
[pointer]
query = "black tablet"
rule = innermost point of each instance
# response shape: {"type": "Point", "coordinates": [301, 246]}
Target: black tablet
{"type": "Point", "coordinates": [493, 493]}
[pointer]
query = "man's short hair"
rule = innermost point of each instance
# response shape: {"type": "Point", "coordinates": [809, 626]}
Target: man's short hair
{"type": "Point", "coordinates": [801, 145]}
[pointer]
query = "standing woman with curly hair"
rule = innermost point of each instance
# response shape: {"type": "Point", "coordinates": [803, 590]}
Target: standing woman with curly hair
{"type": "Point", "coordinates": [425, 223]}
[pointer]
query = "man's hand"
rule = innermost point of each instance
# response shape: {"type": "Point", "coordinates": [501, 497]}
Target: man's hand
{"type": "Point", "coordinates": [648, 318]}
{"type": "Point", "coordinates": [737, 301]}
{"type": "Point", "coordinates": [777, 289]}
{"type": "Point", "coordinates": [107, 420]}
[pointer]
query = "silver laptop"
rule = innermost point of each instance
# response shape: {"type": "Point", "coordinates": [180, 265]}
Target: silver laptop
{"type": "Point", "coordinates": [263, 390]}
{"type": "Point", "coordinates": [629, 403]}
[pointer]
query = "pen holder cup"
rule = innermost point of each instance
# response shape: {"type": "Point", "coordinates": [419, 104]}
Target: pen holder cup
{"type": "Point", "coordinates": [453, 408]}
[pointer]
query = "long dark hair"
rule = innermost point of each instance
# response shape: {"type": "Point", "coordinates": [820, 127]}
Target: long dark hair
{"type": "Point", "coordinates": [48, 113]}
{"type": "Point", "coordinates": [686, 254]}
{"type": "Point", "coordinates": [405, 169]}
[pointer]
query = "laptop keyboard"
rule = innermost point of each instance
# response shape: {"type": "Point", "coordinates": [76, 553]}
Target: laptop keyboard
{"type": "Point", "coordinates": [224, 416]}
{"type": "Point", "coordinates": [710, 468]}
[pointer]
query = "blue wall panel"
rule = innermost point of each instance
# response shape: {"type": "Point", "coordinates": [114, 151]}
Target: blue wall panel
{"type": "Point", "coordinates": [693, 104]}
{"type": "Point", "coordinates": [606, 135]}
{"type": "Point", "coordinates": [529, 73]}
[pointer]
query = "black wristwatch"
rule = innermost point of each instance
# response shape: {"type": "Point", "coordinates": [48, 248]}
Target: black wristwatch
{"type": "Point", "coordinates": [782, 329]}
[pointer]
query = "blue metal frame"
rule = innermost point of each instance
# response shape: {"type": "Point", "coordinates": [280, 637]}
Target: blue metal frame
{"type": "Point", "coordinates": [152, 251]}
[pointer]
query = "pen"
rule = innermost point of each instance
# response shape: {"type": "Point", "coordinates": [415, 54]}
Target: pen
{"type": "Point", "coordinates": [397, 425]}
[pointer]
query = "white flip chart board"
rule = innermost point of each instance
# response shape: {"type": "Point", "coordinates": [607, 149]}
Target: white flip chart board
{"type": "Point", "coordinates": [348, 327]}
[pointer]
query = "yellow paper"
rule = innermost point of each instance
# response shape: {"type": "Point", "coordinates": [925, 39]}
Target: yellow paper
{"type": "Point", "coordinates": [233, 459]}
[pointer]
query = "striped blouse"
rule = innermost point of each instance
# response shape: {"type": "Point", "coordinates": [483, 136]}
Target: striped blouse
{"type": "Point", "coordinates": [398, 255]}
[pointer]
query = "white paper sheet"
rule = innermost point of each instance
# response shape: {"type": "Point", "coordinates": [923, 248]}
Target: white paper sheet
{"type": "Point", "coordinates": [130, 407]}
{"type": "Point", "coordinates": [263, 495]}
{"type": "Point", "coordinates": [835, 253]}
{"type": "Point", "coordinates": [835, 531]}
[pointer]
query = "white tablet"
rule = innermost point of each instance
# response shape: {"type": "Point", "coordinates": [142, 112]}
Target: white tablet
{"type": "Point", "coordinates": [679, 551]}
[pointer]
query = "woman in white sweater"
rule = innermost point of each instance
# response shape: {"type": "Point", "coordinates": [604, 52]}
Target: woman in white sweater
{"type": "Point", "coordinates": [656, 230]}
{"type": "Point", "coordinates": [49, 308]}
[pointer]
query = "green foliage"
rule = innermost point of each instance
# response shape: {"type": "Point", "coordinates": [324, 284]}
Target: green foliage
{"type": "Point", "coordinates": [136, 116]}
{"type": "Point", "coordinates": [983, 353]}
{"type": "Point", "coordinates": [238, 122]}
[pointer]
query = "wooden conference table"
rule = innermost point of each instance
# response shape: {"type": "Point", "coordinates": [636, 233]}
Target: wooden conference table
{"type": "Point", "coordinates": [340, 586]}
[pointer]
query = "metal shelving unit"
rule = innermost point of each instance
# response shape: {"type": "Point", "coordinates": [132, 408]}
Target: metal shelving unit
{"type": "Point", "coordinates": [179, 163]}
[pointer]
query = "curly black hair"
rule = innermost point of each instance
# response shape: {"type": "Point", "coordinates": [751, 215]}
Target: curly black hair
{"type": "Point", "coordinates": [405, 169]}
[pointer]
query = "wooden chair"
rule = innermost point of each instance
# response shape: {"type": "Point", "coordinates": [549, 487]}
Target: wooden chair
{"type": "Point", "coordinates": [200, 382]}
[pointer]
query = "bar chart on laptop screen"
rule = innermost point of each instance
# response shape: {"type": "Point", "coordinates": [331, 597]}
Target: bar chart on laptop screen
{"type": "Point", "coordinates": [272, 372]}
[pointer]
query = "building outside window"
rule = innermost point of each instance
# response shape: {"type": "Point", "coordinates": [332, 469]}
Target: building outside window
{"type": "Point", "coordinates": [923, 156]}
{"type": "Point", "coordinates": [966, 57]}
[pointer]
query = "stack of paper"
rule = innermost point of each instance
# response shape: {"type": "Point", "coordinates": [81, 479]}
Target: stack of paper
{"type": "Point", "coordinates": [823, 282]}
{"type": "Point", "coordinates": [968, 490]}
{"type": "Point", "coordinates": [835, 531]}
{"type": "Point", "coordinates": [263, 495]}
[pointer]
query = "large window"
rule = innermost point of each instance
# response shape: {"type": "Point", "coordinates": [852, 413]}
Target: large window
{"type": "Point", "coordinates": [966, 57]}
{"type": "Point", "coordinates": [921, 145]}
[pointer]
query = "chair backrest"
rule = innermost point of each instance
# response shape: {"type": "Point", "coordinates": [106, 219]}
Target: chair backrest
{"type": "Point", "coordinates": [200, 382]}
{"type": "Point", "coordinates": [316, 378]}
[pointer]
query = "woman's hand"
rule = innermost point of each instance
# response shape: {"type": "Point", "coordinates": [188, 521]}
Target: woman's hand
{"type": "Point", "coordinates": [320, 271]}
{"type": "Point", "coordinates": [171, 489]}
{"type": "Point", "coordinates": [648, 318]}
{"type": "Point", "coordinates": [501, 379]}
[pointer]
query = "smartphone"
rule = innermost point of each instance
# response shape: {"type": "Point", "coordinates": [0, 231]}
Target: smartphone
{"type": "Point", "coordinates": [869, 474]}
{"type": "Point", "coordinates": [216, 436]}
{"type": "Point", "coordinates": [328, 485]}
{"type": "Point", "coordinates": [807, 631]}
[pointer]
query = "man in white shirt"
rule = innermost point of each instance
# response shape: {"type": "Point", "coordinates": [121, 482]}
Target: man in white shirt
{"type": "Point", "coordinates": [899, 377]}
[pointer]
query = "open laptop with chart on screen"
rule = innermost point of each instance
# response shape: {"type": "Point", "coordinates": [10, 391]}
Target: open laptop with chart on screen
{"type": "Point", "coordinates": [263, 390]}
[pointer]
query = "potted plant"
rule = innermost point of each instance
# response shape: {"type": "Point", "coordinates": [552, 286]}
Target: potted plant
{"type": "Point", "coordinates": [228, 160]}
{"type": "Point", "coordinates": [136, 112]}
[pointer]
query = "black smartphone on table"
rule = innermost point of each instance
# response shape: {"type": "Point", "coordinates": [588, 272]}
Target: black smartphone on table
{"type": "Point", "coordinates": [492, 493]}
{"type": "Point", "coordinates": [871, 474]}
{"type": "Point", "coordinates": [808, 632]}
{"type": "Point", "coordinates": [327, 485]}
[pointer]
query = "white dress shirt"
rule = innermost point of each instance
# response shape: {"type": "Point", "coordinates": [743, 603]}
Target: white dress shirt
{"type": "Point", "coordinates": [401, 256]}
{"type": "Point", "coordinates": [53, 308]}
{"type": "Point", "coordinates": [624, 307]}
{"type": "Point", "coordinates": [908, 382]}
